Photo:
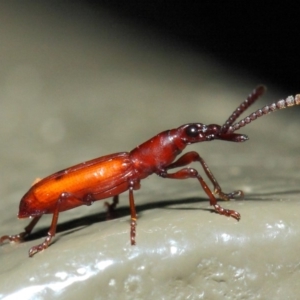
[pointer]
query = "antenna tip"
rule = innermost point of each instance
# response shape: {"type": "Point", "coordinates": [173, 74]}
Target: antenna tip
{"type": "Point", "coordinates": [261, 89]}
{"type": "Point", "coordinates": [242, 138]}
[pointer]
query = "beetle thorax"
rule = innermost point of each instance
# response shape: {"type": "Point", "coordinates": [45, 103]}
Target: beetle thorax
{"type": "Point", "coordinates": [156, 153]}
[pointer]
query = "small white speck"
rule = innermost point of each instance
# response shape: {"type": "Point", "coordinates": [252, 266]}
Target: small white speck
{"type": "Point", "coordinates": [225, 237]}
{"type": "Point", "coordinates": [61, 275]}
{"type": "Point", "coordinates": [112, 282]}
{"type": "Point", "coordinates": [81, 271]}
{"type": "Point", "coordinates": [173, 249]}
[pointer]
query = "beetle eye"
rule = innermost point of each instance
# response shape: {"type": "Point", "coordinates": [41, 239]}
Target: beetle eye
{"type": "Point", "coordinates": [192, 131]}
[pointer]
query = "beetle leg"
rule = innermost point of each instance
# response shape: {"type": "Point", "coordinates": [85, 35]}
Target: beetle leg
{"type": "Point", "coordinates": [51, 233]}
{"type": "Point", "coordinates": [21, 236]}
{"type": "Point", "coordinates": [27, 230]}
{"type": "Point", "coordinates": [193, 156]}
{"type": "Point", "coordinates": [133, 185]}
{"type": "Point", "coordinates": [111, 208]}
{"type": "Point", "coordinates": [193, 173]}
{"type": "Point", "coordinates": [88, 200]}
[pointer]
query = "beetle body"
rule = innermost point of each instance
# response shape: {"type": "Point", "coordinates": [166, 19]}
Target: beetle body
{"type": "Point", "coordinates": [111, 175]}
{"type": "Point", "coordinates": [104, 177]}
{"type": "Point", "coordinates": [93, 180]}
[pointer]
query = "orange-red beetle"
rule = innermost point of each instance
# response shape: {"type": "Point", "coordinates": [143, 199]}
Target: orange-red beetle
{"type": "Point", "coordinates": [111, 175]}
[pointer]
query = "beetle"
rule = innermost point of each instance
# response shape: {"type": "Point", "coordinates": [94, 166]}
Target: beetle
{"type": "Point", "coordinates": [113, 174]}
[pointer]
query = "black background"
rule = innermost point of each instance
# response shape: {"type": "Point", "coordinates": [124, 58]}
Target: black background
{"type": "Point", "coordinates": [260, 37]}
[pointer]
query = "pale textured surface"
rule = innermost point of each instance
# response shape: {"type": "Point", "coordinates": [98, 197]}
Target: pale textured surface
{"type": "Point", "coordinates": [72, 89]}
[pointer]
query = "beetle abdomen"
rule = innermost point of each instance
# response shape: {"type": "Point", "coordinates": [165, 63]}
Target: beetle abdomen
{"type": "Point", "coordinates": [96, 179]}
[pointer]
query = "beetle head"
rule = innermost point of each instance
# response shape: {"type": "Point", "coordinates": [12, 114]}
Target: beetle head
{"type": "Point", "coordinates": [198, 132]}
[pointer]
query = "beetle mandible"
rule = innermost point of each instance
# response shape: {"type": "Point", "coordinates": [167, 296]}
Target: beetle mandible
{"type": "Point", "coordinates": [111, 175]}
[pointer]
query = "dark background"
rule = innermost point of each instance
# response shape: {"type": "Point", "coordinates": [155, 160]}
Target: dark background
{"type": "Point", "coordinates": [259, 37]}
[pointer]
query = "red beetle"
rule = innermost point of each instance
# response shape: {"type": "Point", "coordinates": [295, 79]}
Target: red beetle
{"type": "Point", "coordinates": [111, 175]}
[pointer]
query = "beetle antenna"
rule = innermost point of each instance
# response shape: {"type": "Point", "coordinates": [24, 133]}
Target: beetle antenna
{"type": "Point", "coordinates": [252, 97]}
{"type": "Point", "coordinates": [288, 102]}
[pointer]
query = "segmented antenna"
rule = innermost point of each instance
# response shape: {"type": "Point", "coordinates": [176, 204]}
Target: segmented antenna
{"type": "Point", "coordinates": [256, 93]}
{"type": "Point", "coordinates": [288, 102]}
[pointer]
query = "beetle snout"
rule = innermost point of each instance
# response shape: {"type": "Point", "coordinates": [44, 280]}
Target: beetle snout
{"type": "Point", "coordinates": [233, 137]}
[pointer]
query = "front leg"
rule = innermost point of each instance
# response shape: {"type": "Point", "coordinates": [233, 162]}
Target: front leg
{"type": "Point", "coordinates": [192, 173]}
{"type": "Point", "coordinates": [193, 157]}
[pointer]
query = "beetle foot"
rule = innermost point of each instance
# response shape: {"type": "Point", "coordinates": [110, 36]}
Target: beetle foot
{"type": "Point", "coordinates": [233, 195]}
{"type": "Point", "coordinates": [227, 212]}
{"type": "Point", "coordinates": [38, 248]}
{"type": "Point", "coordinates": [14, 238]}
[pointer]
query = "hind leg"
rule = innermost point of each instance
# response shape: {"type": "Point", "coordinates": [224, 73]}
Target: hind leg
{"type": "Point", "coordinates": [21, 236]}
{"type": "Point", "coordinates": [64, 197]}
